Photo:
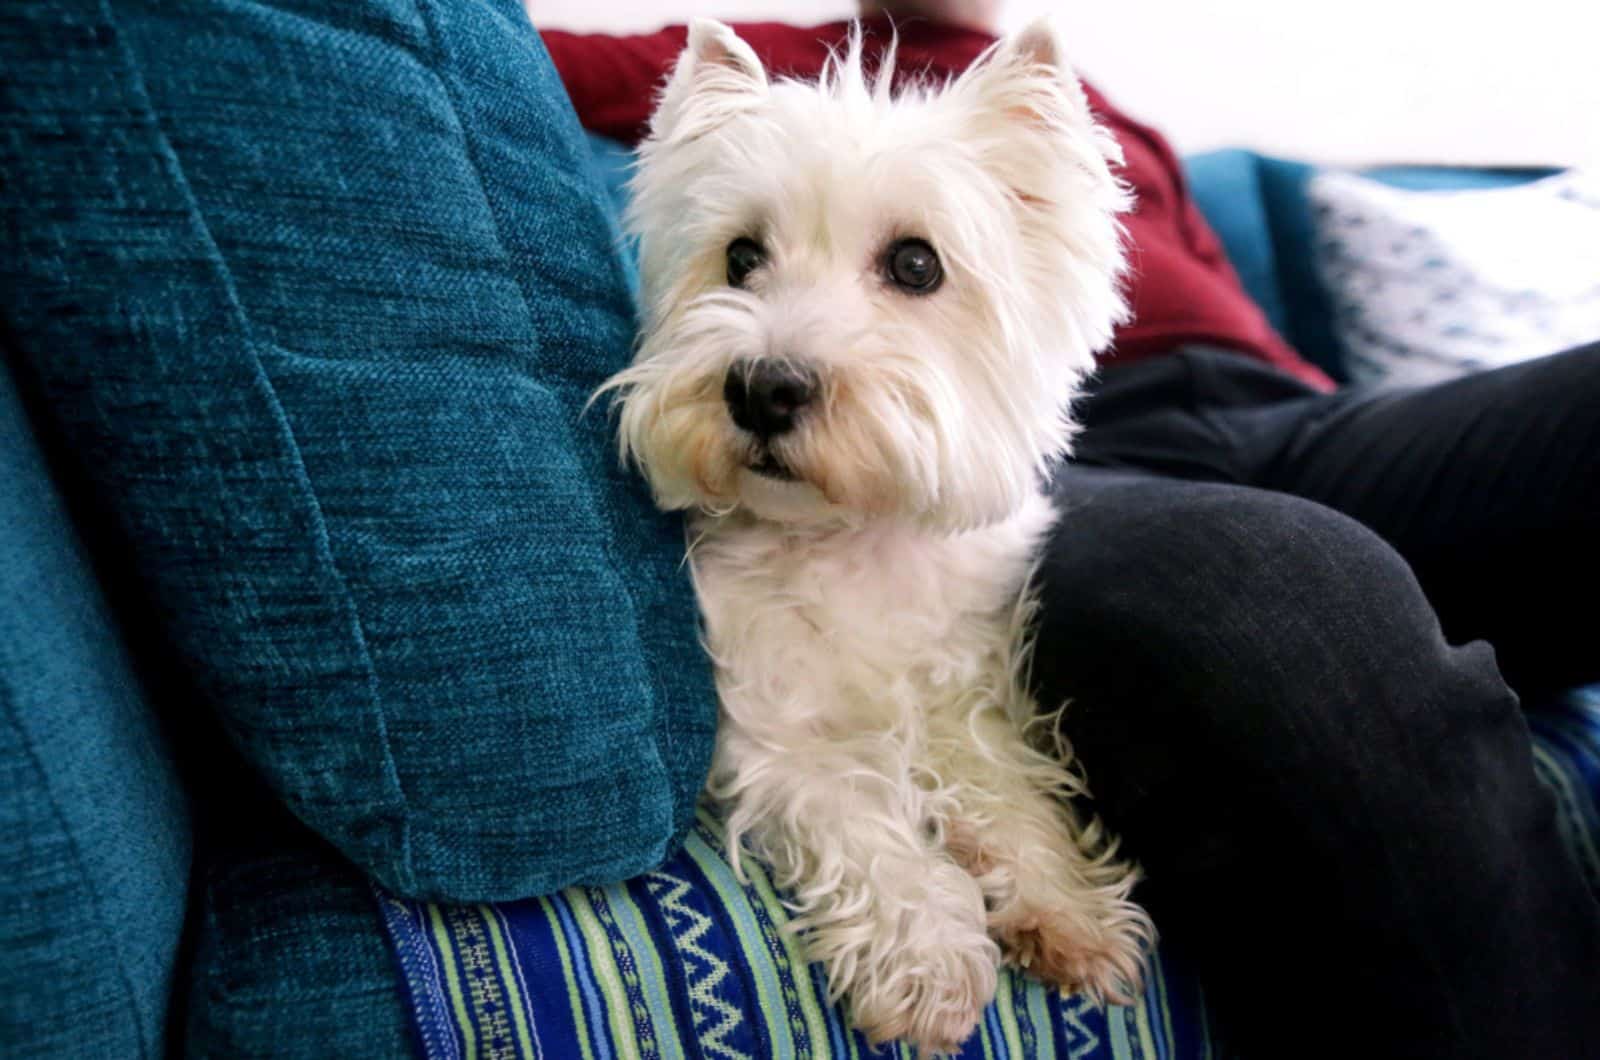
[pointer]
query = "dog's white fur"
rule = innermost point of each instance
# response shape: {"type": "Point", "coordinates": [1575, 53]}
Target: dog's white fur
{"type": "Point", "coordinates": [866, 619]}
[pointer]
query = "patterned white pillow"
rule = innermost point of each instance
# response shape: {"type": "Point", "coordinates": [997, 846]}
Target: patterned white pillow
{"type": "Point", "coordinates": [1428, 285]}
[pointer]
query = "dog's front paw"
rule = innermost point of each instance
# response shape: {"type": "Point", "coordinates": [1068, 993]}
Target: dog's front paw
{"type": "Point", "coordinates": [931, 998]}
{"type": "Point", "coordinates": [1097, 947]}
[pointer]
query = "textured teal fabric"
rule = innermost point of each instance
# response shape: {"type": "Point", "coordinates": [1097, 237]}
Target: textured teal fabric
{"type": "Point", "coordinates": [315, 290]}
{"type": "Point", "coordinates": [94, 833]}
{"type": "Point", "coordinates": [290, 959]}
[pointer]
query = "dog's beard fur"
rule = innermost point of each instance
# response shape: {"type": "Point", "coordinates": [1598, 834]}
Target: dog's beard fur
{"type": "Point", "coordinates": [861, 607]}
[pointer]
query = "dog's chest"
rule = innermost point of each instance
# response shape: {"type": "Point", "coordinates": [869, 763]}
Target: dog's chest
{"type": "Point", "coordinates": [858, 628]}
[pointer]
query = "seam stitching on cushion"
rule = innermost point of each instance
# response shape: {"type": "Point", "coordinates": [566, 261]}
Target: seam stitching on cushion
{"type": "Point", "coordinates": [9, 706]}
{"type": "Point", "coordinates": [657, 693]}
{"type": "Point", "coordinates": [302, 479]}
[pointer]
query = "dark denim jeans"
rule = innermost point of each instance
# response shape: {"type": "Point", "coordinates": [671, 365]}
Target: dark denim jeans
{"type": "Point", "coordinates": [1294, 629]}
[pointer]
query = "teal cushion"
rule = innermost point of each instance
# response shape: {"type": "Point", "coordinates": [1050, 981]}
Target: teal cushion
{"type": "Point", "coordinates": [290, 959]}
{"type": "Point", "coordinates": [612, 164]}
{"type": "Point", "coordinates": [316, 291]}
{"type": "Point", "coordinates": [94, 833]}
{"type": "Point", "coordinates": [1226, 187]}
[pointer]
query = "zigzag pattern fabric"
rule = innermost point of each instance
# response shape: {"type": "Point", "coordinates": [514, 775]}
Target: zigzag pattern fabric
{"type": "Point", "coordinates": [690, 960]}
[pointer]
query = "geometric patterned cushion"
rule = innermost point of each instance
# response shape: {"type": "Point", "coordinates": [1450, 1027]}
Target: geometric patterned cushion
{"type": "Point", "coordinates": [688, 960]}
{"type": "Point", "coordinates": [1430, 285]}
{"type": "Point", "coordinates": [1566, 757]}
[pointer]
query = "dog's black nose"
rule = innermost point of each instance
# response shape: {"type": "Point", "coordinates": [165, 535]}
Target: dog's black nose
{"type": "Point", "coordinates": [765, 397]}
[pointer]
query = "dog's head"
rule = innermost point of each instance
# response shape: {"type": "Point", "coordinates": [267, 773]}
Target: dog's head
{"type": "Point", "coordinates": [861, 303]}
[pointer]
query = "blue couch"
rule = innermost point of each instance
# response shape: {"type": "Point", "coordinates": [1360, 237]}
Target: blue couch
{"type": "Point", "coordinates": [209, 845]}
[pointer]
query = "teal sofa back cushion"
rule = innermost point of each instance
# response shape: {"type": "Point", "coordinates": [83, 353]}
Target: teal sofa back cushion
{"type": "Point", "coordinates": [316, 291]}
{"type": "Point", "coordinates": [94, 831]}
{"type": "Point", "coordinates": [289, 960]}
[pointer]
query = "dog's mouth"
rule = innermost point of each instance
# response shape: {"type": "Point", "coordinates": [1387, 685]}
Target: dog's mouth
{"type": "Point", "coordinates": [769, 466]}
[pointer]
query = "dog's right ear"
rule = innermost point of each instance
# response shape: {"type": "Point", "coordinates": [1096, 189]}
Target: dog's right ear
{"type": "Point", "coordinates": [717, 77]}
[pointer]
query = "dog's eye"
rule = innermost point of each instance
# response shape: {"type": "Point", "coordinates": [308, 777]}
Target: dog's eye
{"type": "Point", "coordinates": [744, 257]}
{"type": "Point", "coordinates": [914, 267]}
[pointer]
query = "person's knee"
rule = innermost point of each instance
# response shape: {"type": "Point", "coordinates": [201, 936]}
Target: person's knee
{"type": "Point", "coordinates": [1272, 723]}
{"type": "Point", "coordinates": [1220, 650]}
{"type": "Point", "coordinates": [1227, 613]}
{"type": "Point", "coordinates": [1170, 569]}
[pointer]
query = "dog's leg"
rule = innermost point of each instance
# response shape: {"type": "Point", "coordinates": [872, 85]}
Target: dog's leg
{"type": "Point", "coordinates": [899, 926]}
{"type": "Point", "coordinates": [1058, 905]}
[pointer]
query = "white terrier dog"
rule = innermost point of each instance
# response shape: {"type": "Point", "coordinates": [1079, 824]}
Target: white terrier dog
{"type": "Point", "coordinates": [866, 314]}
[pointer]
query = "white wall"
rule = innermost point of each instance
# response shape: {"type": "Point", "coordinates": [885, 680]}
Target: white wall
{"type": "Point", "coordinates": [1469, 81]}
{"type": "Point", "coordinates": [1511, 81]}
{"type": "Point", "coordinates": [632, 16]}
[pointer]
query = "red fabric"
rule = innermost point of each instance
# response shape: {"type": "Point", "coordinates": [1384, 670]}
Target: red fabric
{"type": "Point", "coordinates": [1182, 287]}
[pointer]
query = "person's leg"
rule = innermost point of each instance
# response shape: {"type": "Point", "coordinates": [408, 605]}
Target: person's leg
{"type": "Point", "coordinates": [1490, 488]}
{"type": "Point", "coordinates": [1335, 807]}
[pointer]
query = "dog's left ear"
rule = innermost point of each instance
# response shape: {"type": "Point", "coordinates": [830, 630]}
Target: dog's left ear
{"type": "Point", "coordinates": [1025, 80]}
